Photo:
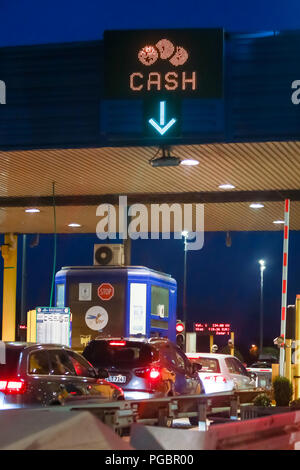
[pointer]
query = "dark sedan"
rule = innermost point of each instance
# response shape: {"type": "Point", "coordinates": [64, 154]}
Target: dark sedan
{"type": "Point", "coordinates": [48, 374]}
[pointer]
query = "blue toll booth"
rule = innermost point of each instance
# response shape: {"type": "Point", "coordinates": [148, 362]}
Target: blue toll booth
{"type": "Point", "coordinates": [117, 301]}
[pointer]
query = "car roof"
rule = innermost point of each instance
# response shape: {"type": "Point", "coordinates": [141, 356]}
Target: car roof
{"type": "Point", "coordinates": [208, 355]}
{"type": "Point", "coordinates": [16, 345]}
{"type": "Point", "coordinates": [132, 339]}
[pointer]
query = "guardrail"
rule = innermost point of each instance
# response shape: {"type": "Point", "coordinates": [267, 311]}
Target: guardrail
{"type": "Point", "coordinates": [162, 411]}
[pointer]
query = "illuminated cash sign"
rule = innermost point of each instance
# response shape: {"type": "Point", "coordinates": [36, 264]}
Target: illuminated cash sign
{"type": "Point", "coordinates": [219, 329]}
{"type": "Point", "coordinates": [186, 63]}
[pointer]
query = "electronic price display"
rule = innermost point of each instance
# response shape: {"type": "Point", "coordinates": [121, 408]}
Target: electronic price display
{"type": "Point", "coordinates": [218, 329]}
{"type": "Point", "coordinates": [143, 63]}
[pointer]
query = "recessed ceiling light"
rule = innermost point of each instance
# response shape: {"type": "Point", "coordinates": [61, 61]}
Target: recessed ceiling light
{"type": "Point", "coordinates": [278, 222]}
{"type": "Point", "coordinates": [189, 162]}
{"type": "Point", "coordinates": [256, 205]}
{"type": "Point", "coordinates": [32, 210]}
{"type": "Point", "coordinates": [74, 225]}
{"type": "Point", "coordinates": [226, 186]}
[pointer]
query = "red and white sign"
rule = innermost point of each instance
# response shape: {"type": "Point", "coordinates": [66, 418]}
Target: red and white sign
{"type": "Point", "coordinates": [106, 291]}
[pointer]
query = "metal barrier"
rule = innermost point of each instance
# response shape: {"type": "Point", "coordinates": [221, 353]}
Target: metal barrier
{"type": "Point", "coordinates": [162, 411]}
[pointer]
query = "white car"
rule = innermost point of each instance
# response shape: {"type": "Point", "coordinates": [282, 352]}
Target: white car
{"type": "Point", "coordinates": [222, 372]}
{"type": "Point", "coordinates": [263, 371]}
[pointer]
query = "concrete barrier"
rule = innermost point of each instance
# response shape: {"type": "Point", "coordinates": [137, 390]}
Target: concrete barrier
{"type": "Point", "coordinates": [160, 438]}
{"type": "Point", "coordinates": [56, 430]}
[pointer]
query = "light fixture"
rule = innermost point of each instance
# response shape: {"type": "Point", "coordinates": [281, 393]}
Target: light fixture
{"type": "Point", "coordinates": [189, 162]}
{"type": "Point", "coordinates": [262, 264]}
{"type": "Point", "coordinates": [166, 159]}
{"type": "Point", "coordinates": [256, 205]}
{"type": "Point", "coordinates": [32, 210]}
{"type": "Point", "coordinates": [226, 186]}
{"type": "Point", "coordinates": [184, 233]}
{"type": "Point", "coordinates": [74, 225]}
{"type": "Point", "coordinates": [228, 240]}
{"type": "Point", "coordinates": [278, 222]}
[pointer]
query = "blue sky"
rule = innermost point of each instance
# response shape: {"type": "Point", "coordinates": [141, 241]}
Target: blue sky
{"type": "Point", "coordinates": [36, 21]}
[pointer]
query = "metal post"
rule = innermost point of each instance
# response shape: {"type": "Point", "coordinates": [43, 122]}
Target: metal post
{"type": "Point", "coordinates": [232, 343]}
{"type": "Point", "coordinates": [297, 349]}
{"type": "Point", "coordinates": [127, 252]}
{"type": "Point", "coordinates": [288, 360]}
{"type": "Point", "coordinates": [211, 342]}
{"type": "Point", "coordinates": [184, 279]}
{"type": "Point", "coordinates": [284, 281]}
{"type": "Point", "coordinates": [23, 287]}
{"type": "Point", "coordinates": [234, 407]}
{"type": "Point", "coordinates": [262, 268]}
{"type": "Point", "coordinates": [9, 253]}
{"type": "Point", "coordinates": [202, 415]}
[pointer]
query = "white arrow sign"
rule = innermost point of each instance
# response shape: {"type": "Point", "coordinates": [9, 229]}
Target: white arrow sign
{"type": "Point", "coordinates": [161, 127]}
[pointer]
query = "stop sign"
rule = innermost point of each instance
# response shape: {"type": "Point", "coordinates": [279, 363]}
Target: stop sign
{"type": "Point", "coordinates": [106, 291]}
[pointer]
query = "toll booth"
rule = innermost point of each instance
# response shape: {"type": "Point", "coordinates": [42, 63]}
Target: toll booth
{"type": "Point", "coordinates": [117, 301]}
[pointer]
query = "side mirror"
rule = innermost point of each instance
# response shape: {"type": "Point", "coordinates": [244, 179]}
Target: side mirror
{"type": "Point", "coordinates": [102, 373]}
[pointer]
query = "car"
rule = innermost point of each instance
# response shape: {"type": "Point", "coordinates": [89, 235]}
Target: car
{"type": "Point", "coordinates": [35, 375]}
{"type": "Point", "coordinates": [222, 372]}
{"type": "Point", "coordinates": [263, 371]}
{"type": "Point", "coordinates": [145, 368]}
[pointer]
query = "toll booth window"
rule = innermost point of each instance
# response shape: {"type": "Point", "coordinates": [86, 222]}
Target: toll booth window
{"type": "Point", "coordinates": [60, 295]}
{"type": "Point", "coordinates": [160, 301]}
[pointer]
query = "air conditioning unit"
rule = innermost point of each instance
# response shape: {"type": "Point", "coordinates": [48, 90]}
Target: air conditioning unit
{"type": "Point", "coordinates": [109, 255]}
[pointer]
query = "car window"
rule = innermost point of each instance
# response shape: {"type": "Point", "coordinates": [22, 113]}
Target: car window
{"type": "Point", "coordinates": [182, 361]}
{"type": "Point", "coordinates": [61, 363]}
{"type": "Point", "coordinates": [179, 361]}
{"type": "Point", "coordinates": [101, 353]}
{"type": "Point", "coordinates": [235, 367]}
{"type": "Point", "coordinates": [239, 367]}
{"type": "Point", "coordinates": [208, 364]}
{"type": "Point", "coordinates": [11, 362]}
{"type": "Point", "coordinates": [167, 354]}
{"type": "Point", "coordinates": [230, 365]}
{"type": "Point", "coordinates": [39, 363]}
{"type": "Point", "coordinates": [81, 366]}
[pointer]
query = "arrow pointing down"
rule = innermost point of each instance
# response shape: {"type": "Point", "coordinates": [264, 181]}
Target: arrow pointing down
{"type": "Point", "coordinates": [161, 127]}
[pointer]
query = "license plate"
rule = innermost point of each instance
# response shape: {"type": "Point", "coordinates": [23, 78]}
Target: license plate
{"type": "Point", "coordinates": [120, 379]}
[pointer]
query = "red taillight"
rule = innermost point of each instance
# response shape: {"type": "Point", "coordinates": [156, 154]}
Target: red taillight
{"type": "Point", "coordinates": [12, 386]}
{"type": "Point", "coordinates": [117, 343]}
{"type": "Point", "coordinates": [152, 373]}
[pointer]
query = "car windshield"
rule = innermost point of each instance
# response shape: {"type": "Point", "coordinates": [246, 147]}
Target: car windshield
{"type": "Point", "coordinates": [9, 368]}
{"type": "Point", "coordinates": [129, 354]}
{"type": "Point", "coordinates": [208, 364]}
